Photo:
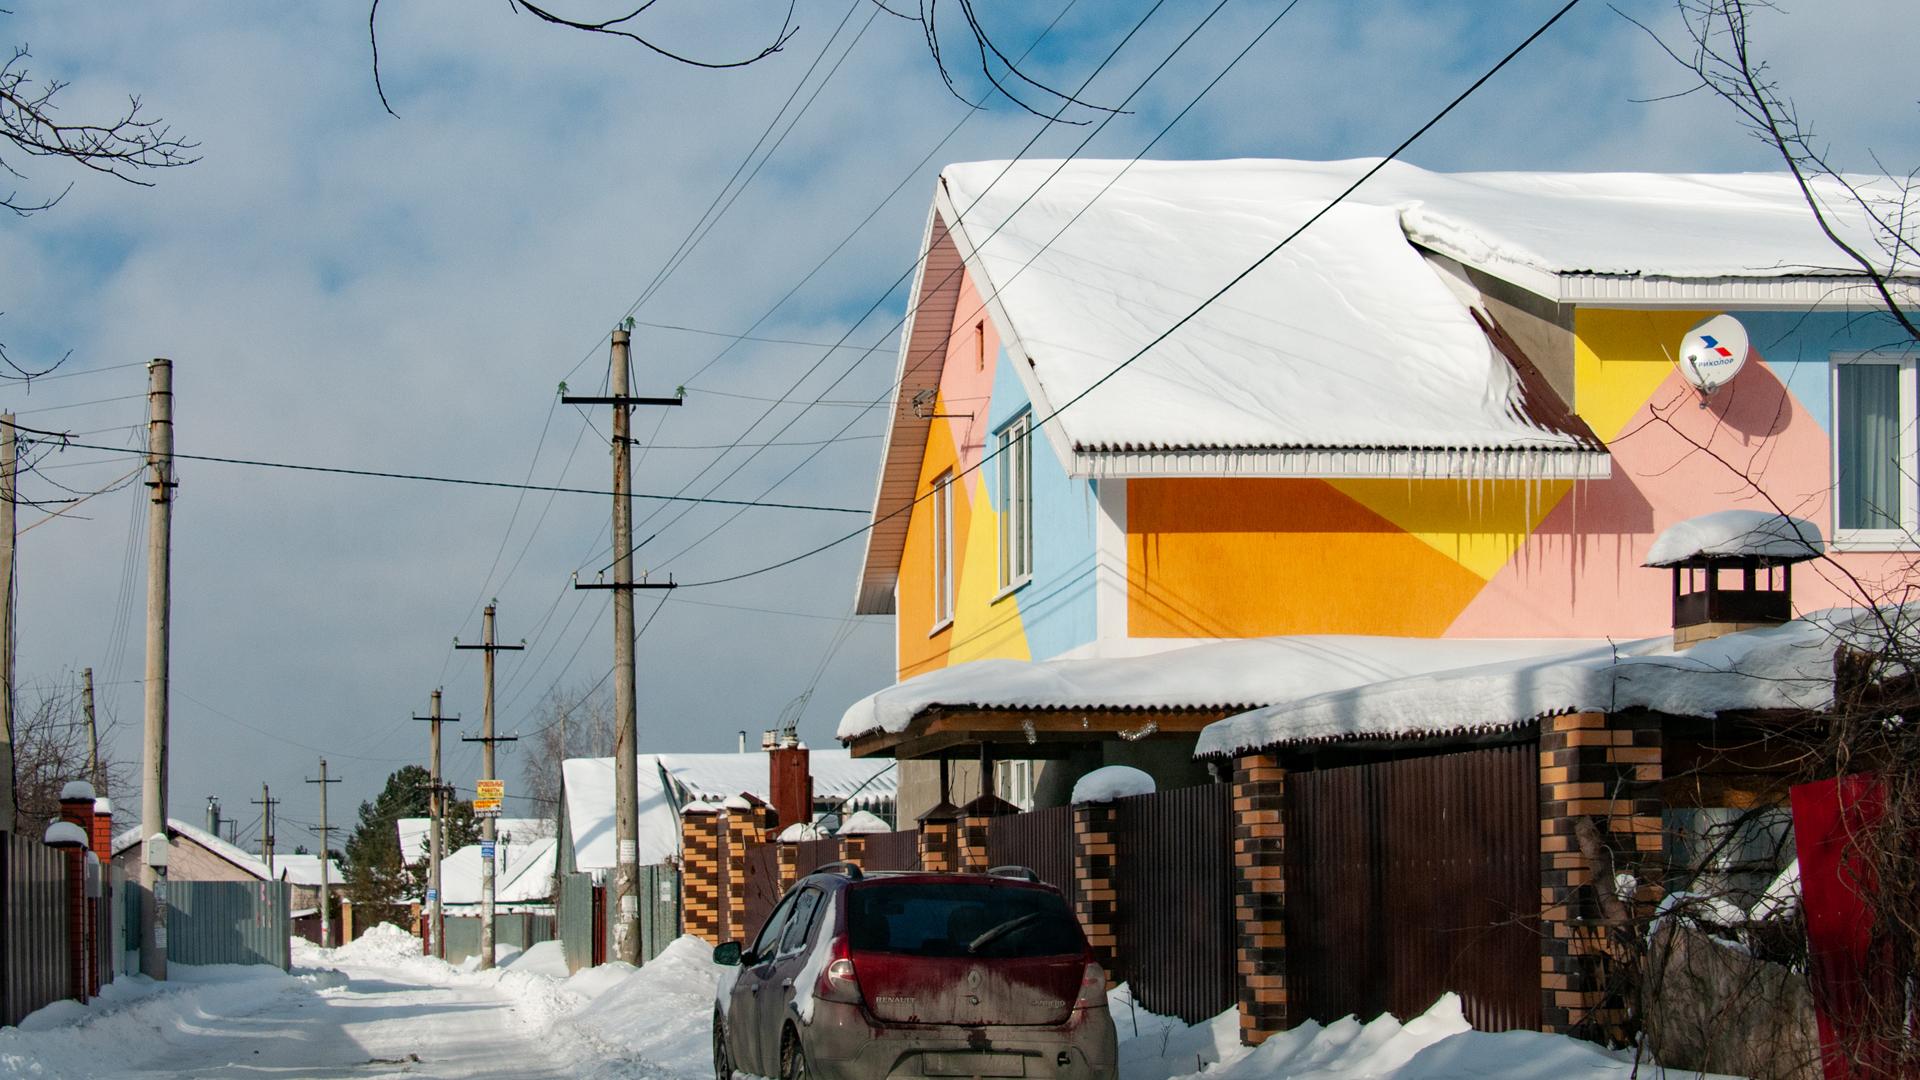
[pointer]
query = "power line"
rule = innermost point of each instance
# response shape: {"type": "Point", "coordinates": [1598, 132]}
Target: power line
{"type": "Point", "coordinates": [460, 481]}
{"type": "Point", "coordinates": [1184, 319]}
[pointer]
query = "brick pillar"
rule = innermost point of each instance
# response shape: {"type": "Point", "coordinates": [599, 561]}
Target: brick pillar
{"type": "Point", "coordinates": [940, 839]}
{"type": "Point", "coordinates": [853, 849]}
{"type": "Point", "coordinates": [975, 821]}
{"type": "Point", "coordinates": [703, 899]}
{"type": "Point", "coordinates": [789, 864]}
{"type": "Point", "coordinates": [746, 824]}
{"type": "Point", "coordinates": [1607, 768]}
{"type": "Point", "coordinates": [1095, 899]}
{"type": "Point", "coordinates": [1260, 894]}
{"type": "Point", "coordinates": [76, 808]}
{"type": "Point", "coordinates": [103, 832]}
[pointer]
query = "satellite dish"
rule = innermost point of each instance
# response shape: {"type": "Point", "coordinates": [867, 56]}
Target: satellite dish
{"type": "Point", "coordinates": [1713, 353]}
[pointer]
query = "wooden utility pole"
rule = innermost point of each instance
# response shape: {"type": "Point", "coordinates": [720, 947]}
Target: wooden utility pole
{"type": "Point", "coordinates": [436, 923]}
{"type": "Point", "coordinates": [626, 731]}
{"type": "Point", "coordinates": [487, 739]}
{"type": "Point", "coordinates": [94, 772]}
{"type": "Point", "coordinates": [153, 789]}
{"type": "Point", "coordinates": [266, 802]}
{"type": "Point", "coordinates": [326, 838]}
{"type": "Point", "coordinates": [8, 500]}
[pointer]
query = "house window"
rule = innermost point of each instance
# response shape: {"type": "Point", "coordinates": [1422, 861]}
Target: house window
{"type": "Point", "coordinates": [1013, 781]}
{"type": "Point", "coordinates": [1874, 449]}
{"type": "Point", "coordinates": [943, 550]}
{"type": "Point", "coordinates": [1016, 502]}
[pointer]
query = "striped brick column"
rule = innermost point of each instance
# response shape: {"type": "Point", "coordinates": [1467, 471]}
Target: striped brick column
{"type": "Point", "coordinates": [1606, 768]}
{"type": "Point", "coordinates": [703, 898]}
{"type": "Point", "coordinates": [853, 849]}
{"type": "Point", "coordinates": [744, 827]}
{"type": "Point", "coordinates": [76, 807]}
{"type": "Point", "coordinates": [1095, 901]}
{"type": "Point", "coordinates": [789, 859]}
{"type": "Point", "coordinates": [975, 821]}
{"type": "Point", "coordinates": [940, 839]}
{"type": "Point", "coordinates": [1260, 894]}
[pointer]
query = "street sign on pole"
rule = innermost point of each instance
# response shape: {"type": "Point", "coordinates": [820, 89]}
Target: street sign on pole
{"type": "Point", "coordinates": [486, 849]}
{"type": "Point", "coordinates": [486, 797]}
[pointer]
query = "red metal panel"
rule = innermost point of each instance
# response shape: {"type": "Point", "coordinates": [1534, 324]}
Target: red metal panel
{"type": "Point", "coordinates": [1413, 876]}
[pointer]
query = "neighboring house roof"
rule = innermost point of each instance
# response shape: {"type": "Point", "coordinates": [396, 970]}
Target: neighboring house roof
{"type": "Point", "coordinates": [237, 856]}
{"type": "Point", "coordinates": [525, 877]}
{"type": "Point", "coordinates": [1348, 353]}
{"type": "Point", "coordinates": [305, 869]}
{"type": "Point", "coordinates": [710, 779]}
{"type": "Point", "coordinates": [1218, 675]}
{"type": "Point", "coordinates": [1787, 667]}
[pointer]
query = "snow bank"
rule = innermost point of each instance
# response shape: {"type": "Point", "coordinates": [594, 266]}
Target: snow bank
{"type": "Point", "coordinates": [1244, 673]}
{"type": "Point", "coordinates": [1111, 782]}
{"type": "Point", "coordinates": [800, 830]}
{"type": "Point", "coordinates": [1737, 532]}
{"type": "Point", "coordinates": [1781, 667]}
{"type": "Point", "coordinates": [663, 1012]}
{"type": "Point", "coordinates": [548, 958]}
{"type": "Point", "coordinates": [385, 944]}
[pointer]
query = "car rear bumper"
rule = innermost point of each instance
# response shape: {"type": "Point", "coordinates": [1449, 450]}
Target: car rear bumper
{"type": "Point", "coordinates": [842, 1044]}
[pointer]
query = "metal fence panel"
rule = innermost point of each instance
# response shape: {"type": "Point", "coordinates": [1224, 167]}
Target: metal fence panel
{"type": "Point", "coordinates": [573, 910]}
{"type": "Point", "coordinates": [229, 922]}
{"type": "Point", "coordinates": [659, 908]}
{"type": "Point", "coordinates": [33, 927]}
{"type": "Point", "coordinates": [762, 885]}
{"type": "Point", "coordinates": [892, 851]}
{"type": "Point", "coordinates": [1174, 891]}
{"type": "Point", "coordinates": [1413, 876]}
{"type": "Point", "coordinates": [1040, 840]}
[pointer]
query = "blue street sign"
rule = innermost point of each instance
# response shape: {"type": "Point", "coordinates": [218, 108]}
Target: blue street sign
{"type": "Point", "coordinates": [432, 895]}
{"type": "Point", "coordinates": [486, 849]}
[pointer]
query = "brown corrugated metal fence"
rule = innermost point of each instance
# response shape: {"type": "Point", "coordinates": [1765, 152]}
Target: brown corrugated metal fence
{"type": "Point", "coordinates": [33, 927]}
{"type": "Point", "coordinates": [1175, 897]}
{"type": "Point", "coordinates": [763, 887]}
{"type": "Point", "coordinates": [810, 855]}
{"type": "Point", "coordinates": [1040, 840]}
{"type": "Point", "coordinates": [1413, 876]}
{"type": "Point", "coordinates": [892, 851]}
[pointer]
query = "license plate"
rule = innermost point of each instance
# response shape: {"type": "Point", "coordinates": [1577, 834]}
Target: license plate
{"type": "Point", "coordinates": [974, 1065]}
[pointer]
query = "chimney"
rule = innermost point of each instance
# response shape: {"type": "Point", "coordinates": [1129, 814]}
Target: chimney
{"type": "Point", "coordinates": [1732, 571]}
{"type": "Point", "coordinates": [791, 782]}
{"type": "Point", "coordinates": [213, 815]}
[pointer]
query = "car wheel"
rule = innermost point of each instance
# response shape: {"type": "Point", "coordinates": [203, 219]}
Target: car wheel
{"type": "Point", "coordinates": [722, 1057]}
{"type": "Point", "coordinates": [793, 1065]}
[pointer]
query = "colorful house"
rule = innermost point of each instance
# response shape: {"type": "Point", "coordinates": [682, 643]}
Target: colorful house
{"type": "Point", "coordinates": [1440, 427]}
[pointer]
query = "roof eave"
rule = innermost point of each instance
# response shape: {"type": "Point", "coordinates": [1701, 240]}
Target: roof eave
{"type": "Point", "coordinates": [1417, 463]}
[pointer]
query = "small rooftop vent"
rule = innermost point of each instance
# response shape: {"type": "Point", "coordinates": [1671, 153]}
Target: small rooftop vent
{"type": "Point", "coordinates": [1733, 570]}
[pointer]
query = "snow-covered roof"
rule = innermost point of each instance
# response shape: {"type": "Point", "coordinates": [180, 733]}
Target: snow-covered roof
{"type": "Point", "coordinates": [862, 823]}
{"type": "Point", "coordinates": [1345, 340]}
{"type": "Point", "coordinates": [700, 780]}
{"type": "Point", "coordinates": [1727, 533]}
{"type": "Point", "coordinates": [305, 869]}
{"type": "Point", "coordinates": [244, 860]}
{"type": "Point", "coordinates": [1241, 673]}
{"type": "Point", "coordinates": [1781, 667]}
{"type": "Point", "coordinates": [523, 873]}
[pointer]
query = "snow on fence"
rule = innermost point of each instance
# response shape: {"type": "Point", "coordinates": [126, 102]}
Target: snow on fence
{"type": "Point", "coordinates": [34, 966]}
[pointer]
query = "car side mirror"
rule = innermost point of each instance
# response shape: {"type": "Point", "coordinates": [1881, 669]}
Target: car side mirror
{"type": "Point", "coordinates": [727, 954]}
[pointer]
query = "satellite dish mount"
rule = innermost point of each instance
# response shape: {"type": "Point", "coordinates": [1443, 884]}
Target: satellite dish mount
{"type": "Point", "coordinates": [1712, 353]}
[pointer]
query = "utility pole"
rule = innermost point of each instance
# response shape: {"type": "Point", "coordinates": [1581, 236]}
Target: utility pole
{"type": "Point", "coordinates": [153, 789]}
{"type": "Point", "coordinates": [486, 741]}
{"type": "Point", "coordinates": [436, 924]}
{"type": "Point", "coordinates": [8, 500]}
{"type": "Point", "coordinates": [94, 772]}
{"type": "Point", "coordinates": [626, 730]}
{"type": "Point", "coordinates": [326, 838]}
{"type": "Point", "coordinates": [266, 802]}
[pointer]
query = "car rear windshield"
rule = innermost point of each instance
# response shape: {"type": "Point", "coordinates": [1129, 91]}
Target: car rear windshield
{"type": "Point", "coordinates": [929, 919]}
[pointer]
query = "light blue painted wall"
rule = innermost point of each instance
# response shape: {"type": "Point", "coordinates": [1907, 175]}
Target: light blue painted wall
{"type": "Point", "coordinates": [1057, 606]}
{"type": "Point", "coordinates": [1798, 346]}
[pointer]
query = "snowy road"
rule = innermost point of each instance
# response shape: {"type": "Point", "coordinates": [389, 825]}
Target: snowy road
{"type": "Point", "coordinates": [379, 1024]}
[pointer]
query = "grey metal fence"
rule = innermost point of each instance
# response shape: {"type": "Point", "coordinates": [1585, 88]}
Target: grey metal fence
{"type": "Point", "coordinates": [228, 922]}
{"type": "Point", "coordinates": [520, 929]}
{"type": "Point", "coordinates": [659, 911]}
{"type": "Point", "coordinates": [573, 914]}
{"type": "Point", "coordinates": [34, 967]}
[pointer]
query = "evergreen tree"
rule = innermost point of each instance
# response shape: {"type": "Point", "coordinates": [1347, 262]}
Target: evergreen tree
{"type": "Point", "coordinates": [377, 882]}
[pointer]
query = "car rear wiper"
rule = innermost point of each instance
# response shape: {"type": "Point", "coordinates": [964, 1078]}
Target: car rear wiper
{"type": "Point", "coordinates": [1004, 929]}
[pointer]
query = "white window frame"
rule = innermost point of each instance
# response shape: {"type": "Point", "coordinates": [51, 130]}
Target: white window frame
{"type": "Point", "coordinates": [1014, 442]}
{"type": "Point", "coordinates": [1901, 538]}
{"type": "Point", "coordinates": [942, 502]}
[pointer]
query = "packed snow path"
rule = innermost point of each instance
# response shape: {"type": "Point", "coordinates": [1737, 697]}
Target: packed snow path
{"type": "Point", "coordinates": [380, 1023]}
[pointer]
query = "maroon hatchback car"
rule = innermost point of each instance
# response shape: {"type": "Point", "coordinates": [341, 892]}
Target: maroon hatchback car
{"type": "Point", "coordinates": [868, 976]}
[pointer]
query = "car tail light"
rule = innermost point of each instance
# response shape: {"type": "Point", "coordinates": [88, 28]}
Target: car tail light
{"type": "Point", "coordinates": [1093, 988]}
{"type": "Point", "coordinates": [838, 981]}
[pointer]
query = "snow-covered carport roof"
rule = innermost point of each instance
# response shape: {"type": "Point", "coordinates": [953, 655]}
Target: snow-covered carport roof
{"type": "Point", "coordinates": [1780, 669]}
{"type": "Point", "coordinates": [1039, 708]}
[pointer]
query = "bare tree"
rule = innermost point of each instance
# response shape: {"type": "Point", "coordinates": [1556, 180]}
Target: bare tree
{"type": "Point", "coordinates": [1000, 70]}
{"type": "Point", "coordinates": [573, 721]}
{"type": "Point", "coordinates": [50, 747]}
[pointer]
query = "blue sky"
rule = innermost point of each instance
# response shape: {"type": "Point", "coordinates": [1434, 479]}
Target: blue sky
{"type": "Point", "coordinates": [336, 285]}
